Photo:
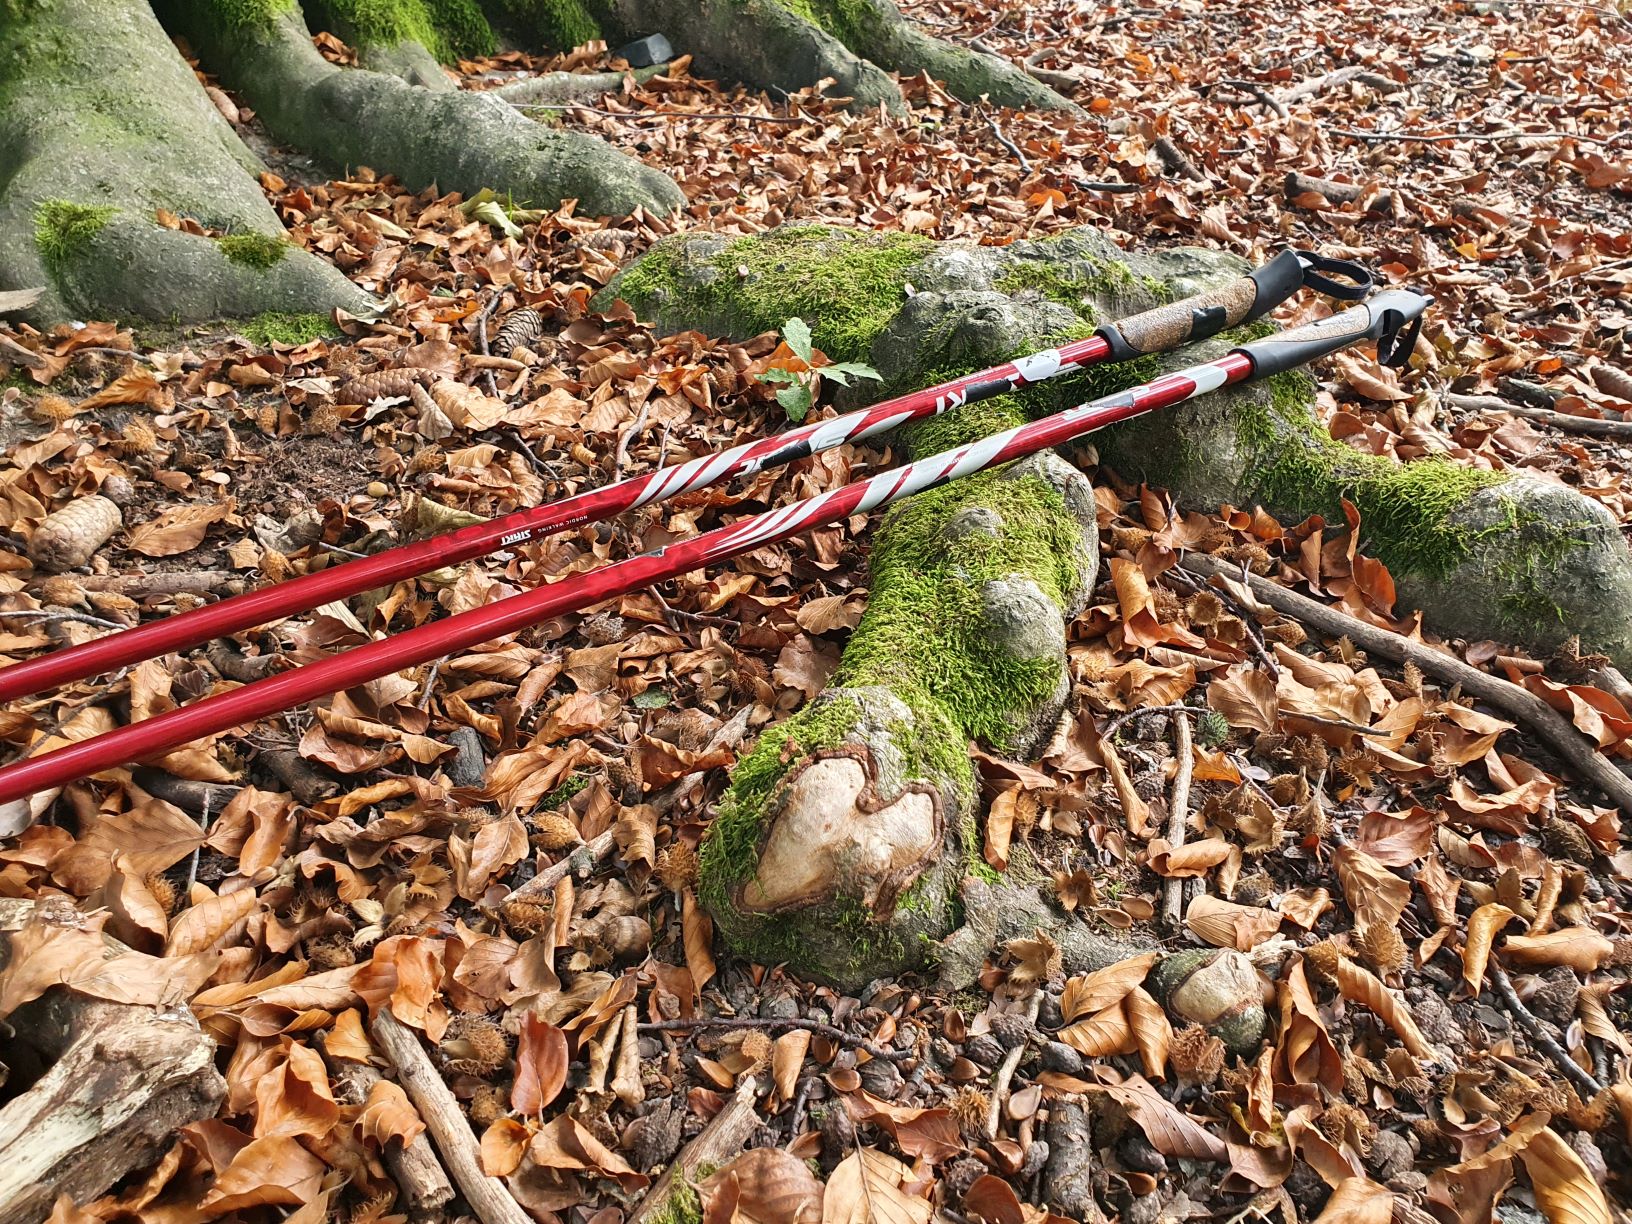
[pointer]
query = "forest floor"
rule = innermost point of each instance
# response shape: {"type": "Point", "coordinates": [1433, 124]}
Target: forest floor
{"type": "Point", "coordinates": [1400, 877]}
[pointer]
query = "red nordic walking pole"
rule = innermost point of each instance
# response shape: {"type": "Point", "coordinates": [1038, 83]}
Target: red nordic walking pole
{"type": "Point", "coordinates": [1392, 318]}
{"type": "Point", "coordinates": [1159, 330]}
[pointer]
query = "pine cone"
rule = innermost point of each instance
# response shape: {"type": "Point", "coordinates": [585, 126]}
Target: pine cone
{"type": "Point", "coordinates": [521, 327]}
{"type": "Point", "coordinates": [653, 1140]}
{"type": "Point", "coordinates": [1012, 1029]}
{"type": "Point", "coordinates": [68, 538]}
{"type": "Point", "coordinates": [381, 384]}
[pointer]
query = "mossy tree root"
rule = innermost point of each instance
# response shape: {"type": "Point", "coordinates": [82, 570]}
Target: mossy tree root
{"type": "Point", "coordinates": [455, 140]}
{"type": "Point", "coordinates": [101, 124]}
{"type": "Point", "coordinates": [938, 660]}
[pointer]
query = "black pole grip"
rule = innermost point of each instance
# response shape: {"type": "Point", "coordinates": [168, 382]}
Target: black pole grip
{"type": "Point", "coordinates": [1206, 314]}
{"type": "Point", "coordinates": [1392, 318]}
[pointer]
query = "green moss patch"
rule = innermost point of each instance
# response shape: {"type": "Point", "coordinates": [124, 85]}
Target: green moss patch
{"type": "Point", "coordinates": [242, 14]}
{"type": "Point", "coordinates": [448, 29]}
{"type": "Point", "coordinates": [64, 230]}
{"type": "Point", "coordinates": [277, 327]}
{"type": "Point", "coordinates": [846, 284]}
{"type": "Point", "coordinates": [561, 24]}
{"type": "Point", "coordinates": [260, 251]}
{"type": "Point", "coordinates": [1405, 508]}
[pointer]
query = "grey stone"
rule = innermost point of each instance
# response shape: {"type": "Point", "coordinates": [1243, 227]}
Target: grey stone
{"type": "Point", "coordinates": [644, 52]}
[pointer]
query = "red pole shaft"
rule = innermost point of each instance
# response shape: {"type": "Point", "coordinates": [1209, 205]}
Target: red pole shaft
{"type": "Point", "coordinates": [409, 560]}
{"type": "Point", "coordinates": [468, 629]}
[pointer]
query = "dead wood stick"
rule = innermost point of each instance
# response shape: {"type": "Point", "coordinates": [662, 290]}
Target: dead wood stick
{"type": "Point", "coordinates": [715, 1144]}
{"type": "Point", "coordinates": [446, 1122]}
{"type": "Point", "coordinates": [586, 855]}
{"type": "Point", "coordinates": [1004, 1075]}
{"type": "Point", "coordinates": [25, 357]}
{"type": "Point", "coordinates": [1341, 76]}
{"type": "Point", "coordinates": [1555, 730]}
{"type": "Point", "coordinates": [1178, 818]}
{"type": "Point", "coordinates": [830, 1031]}
{"type": "Point", "coordinates": [489, 361]}
{"type": "Point", "coordinates": [425, 1187]}
{"type": "Point", "coordinates": [1258, 93]}
{"type": "Point", "coordinates": [1568, 422]}
{"type": "Point", "coordinates": [1478, 137]}
{"type": "Point", "coordinates": [1054, 78]}
{"type": "Point", "coordinates": [1583, 1082]}
{"type": "Point", "coordinates": [148, 586]}
{"type": "Point", "coordinates": [1338, 193]}
{"type": "Point", "coordinates": [1534, 394]}
{"type": "Point", "coordinates": [1014, 149]}
{"type": "Point", "coordinates": [1176, 159]}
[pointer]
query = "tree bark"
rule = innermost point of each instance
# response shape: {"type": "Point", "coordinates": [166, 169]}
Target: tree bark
{"type": "Point", "coordinates": [101, 124]}
{"type": "Point", "coordinates": [456, 140]}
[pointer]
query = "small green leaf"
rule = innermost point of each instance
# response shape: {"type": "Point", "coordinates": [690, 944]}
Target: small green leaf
{"type": "Point", "coordinates": [795, 401]}
{"type": "Point", "coordinates": [844, 371]}
{"type": "Point", "coordinates": [651, 699]}
{"type": "Point", "coordinates": [778, 375]}
{"type": "Point", "coordinates": [797, 334]}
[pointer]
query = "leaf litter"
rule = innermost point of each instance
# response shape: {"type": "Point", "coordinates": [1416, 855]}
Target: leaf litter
{"type": "Point", "coordinates": [1389, 851]}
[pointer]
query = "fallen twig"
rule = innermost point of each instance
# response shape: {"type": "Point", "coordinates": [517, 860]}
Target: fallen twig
{"type": "Point", "coordinates": [1176, 159]}
{"type": "Point", "coordinates": [1583, 1081]}
{"type": "Point", "coordinates": [1005, 1071]}
{"type": "Point", "coordinates": [445, 1121]}
{"type": "Point", "coordinates": [1337, 193]}
{"type": "Point", "coordinates": [481, 339]}
{"type": "Point", "coordinates": [1480, 137]}
{"type": "Point", "coordinates": [586, 855]}
{"type": "Point", "coordinates": [1014, 149]}
{"type": "Point", "coordinates": [1178, 817]}
{"type": "Point", "coordinates": [1556, 730]}
{"type": "Point", "coordinates": [714, 1145]}
{"type": "Point", "coordinates": [50, 615]}
{"type": "Point", "coordinates": [1121, 720]}
{"type": "Point", "coordinates": [1258, 92]}
{"type": "Point", "coordinates": [1054, 78]}
{"type": "Point", "coordinates": [1595, 427]}
{"type": "Point", "coordinates": [621, 455]}
{"type": "Point", "coordinates": [1112, 188]}
{"type": "Point", "coordinates": [768, 1022]}
{"type": "Point", "coordinates": [1341, 76]}
{"type": "Point", "coordinates": [425, 1187]}
{"type": "Point", "coordinates": [651, 114]}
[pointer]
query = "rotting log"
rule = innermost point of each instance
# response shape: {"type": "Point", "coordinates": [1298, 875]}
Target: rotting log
{"type": "Point", "coordinates": [848, 841]}
{"type": "Point", "coordinates": [115, 1083]}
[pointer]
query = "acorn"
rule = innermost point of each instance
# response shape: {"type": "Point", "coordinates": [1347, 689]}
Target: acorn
{"type": "Point", "coordinates": [1217, 988]}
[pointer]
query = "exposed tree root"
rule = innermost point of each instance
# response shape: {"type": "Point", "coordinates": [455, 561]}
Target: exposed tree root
{"type": "Point", "coordinates": [102, 124]}
{"type": "Point", "coordinates": [456, 140]}
{"type": "Point", "coordinates": [848, 843]}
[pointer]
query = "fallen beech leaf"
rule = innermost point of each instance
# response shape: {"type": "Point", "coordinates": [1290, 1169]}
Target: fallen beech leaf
{"type": "Point", "coordinates": [1170, 1131]}
{"type": "Point", "coordinates": [1245, 696]}
{"type": "Point", "coordinates": [993, 1200]}
{"type": "Point", "coordinates": [866, 1188]}
{"type": "Point", "coordinates": [1106, 987]}
{"type": "Point", "coordinates": [1360, 985]}
{"type": "Point", "coordinates": [767, 1186]}
{"type": "Point", "coordinates": [541, 1065]}
{"type": "Point", "coordinates": [503, 1145]}
{"type": "Point", "coordinates": [1101, 1035]}
{"type": "Point", "coordinates": [1152, 1032]}
{"type": "Point", "coordinates": [1581, 948]}
{"type": "Point", "coordinates": [924, 1134]}
{"type": "Point", "coordinates": [1192, 859]}
{"type": "Point", "coordinates": [1305, 1053]}
{"type": "Point", "coordinates": [1376, 895]}
{"type": "Point", "coordinates": [564, 1144]}
{"type": "Point", "coordinates": [1224, 924]}
{"type": "Point", "coordinates": [787, 1057]}
{"type": "Point", "coordinates": [697, 930]}
{"type": "Point", "coordinates": [1358, 1200]}
{"type": "Point", "coordinates": [178, 530]}
{"type": "Point", "coordinates": [265, 1172]}
{"type": "Point", "coordinates": [295, 1098]}
{"type": "Point", "coordinates": [140, 386]}
{"type": "Point", "coordinates": [1483, 925]}
{"type": "Point", "coordinates": [1565, 1191]}
{"type": "Point", "coordinates": [388, 1114]}
{"type": "Point", "coordinates": [203, 924]}
{"type": "Point", "coordinates": [1135, 811]}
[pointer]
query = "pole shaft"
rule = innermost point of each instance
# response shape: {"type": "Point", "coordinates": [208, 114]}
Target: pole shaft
{"type": "Point", "coordinates": [456, 633]}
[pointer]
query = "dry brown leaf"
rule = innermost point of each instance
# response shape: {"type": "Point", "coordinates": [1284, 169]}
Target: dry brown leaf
{"type": "Point", "coordinates": [1483, 925]}
{"type": "Point", "coordinates": [1581, 948]}
{"type": "Point", "coordinates": [294, 1098]}
{"type": "Point", "coordinates": [271, 1171]}
{"type": "Point", "coordinates": [178, 530]}
{"type": "Point", "coordinates": [1101, 1035]}
{"type": "Point", "coordinates": [504, 1143]}
{"type": "Point", "coordinates": [541, 1066]}
{"type": "Point", "coordinates": [1245, 696]}
{"type": "Point", "coordinates": [1192, 859]}
{"type": "Point", "coordinates": [1170, 1131]}
{"type": "Point", "coordinates": [1135, 811]}
{"type": "Point", "coordinates": [1224, 924]}
{"type": "Point", "coordinates": [1106, 987]}
{"type": "Point", "coordinates": [203, 925]}
{"type": "Point", "coordinates": [1376, 895]}
{"type": "Point", "coordinates": [389, 1115]}
{"type": "Point", "coordinates": [867, 1188]}
{"type": "Point", "coordinates": [1565, 1191]}
{"type": "Point", "coordinates": [1360, 985]}
{"type": "Point", "coordinates": [764, 1185]}
{"type": "Point", "coordinates": [697, 930]}
{"type": "Point", "coordinates": [1305, 1053]}
{"type": "Point", "coordinates": [1358, 1200]}
{"type": "Point", "coordinates": [787, 1057]}
{"type": "Point", "coordinates": [1152, 1032]}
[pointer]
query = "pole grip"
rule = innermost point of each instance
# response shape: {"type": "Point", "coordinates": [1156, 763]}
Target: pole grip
{"type": "Point", "coordinates": [1392, 318]}
{"type": "Point", "coordinates": [1206, 314]}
